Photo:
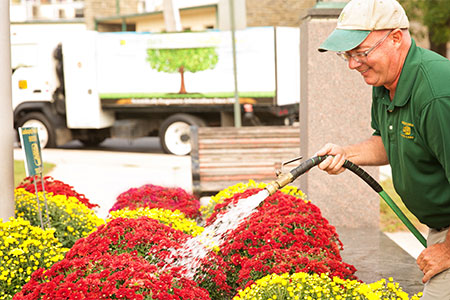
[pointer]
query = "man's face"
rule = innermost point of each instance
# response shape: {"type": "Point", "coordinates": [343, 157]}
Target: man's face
{"type": "Point", "coordinates": [376, 68]}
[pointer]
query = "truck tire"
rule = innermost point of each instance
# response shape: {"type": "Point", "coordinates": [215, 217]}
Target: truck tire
{"type": "Point", "coordinates": [175, 133]}
{"type": "Point", "coordinates": [46, 131]}
{"type": "Point", "coordinates": [92, 141]}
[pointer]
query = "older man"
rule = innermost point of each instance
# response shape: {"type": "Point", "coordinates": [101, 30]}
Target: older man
{"type": "Point", "coordinates": [410, 118]}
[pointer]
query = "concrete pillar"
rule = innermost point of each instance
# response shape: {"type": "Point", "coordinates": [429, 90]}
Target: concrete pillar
{"type": "Point", "coordinates": [334, 107]}
{"type": "Point", "coordinates": [171, 16]}
{"type": "Point", "coordinates": [6, 118]}
{"type": "Point", "coordinates": [240, 14]}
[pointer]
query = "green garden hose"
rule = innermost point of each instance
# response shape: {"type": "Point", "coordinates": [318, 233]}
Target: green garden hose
{"type": "Point", "coordinates": [286, 178]}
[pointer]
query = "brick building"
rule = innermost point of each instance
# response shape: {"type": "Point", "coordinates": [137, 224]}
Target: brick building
{"type": "Point", "coordinates": [139, 15]}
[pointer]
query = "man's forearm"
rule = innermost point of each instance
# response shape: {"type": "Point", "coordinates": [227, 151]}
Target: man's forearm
{"type": "Point", "coordinates": [368, 153]}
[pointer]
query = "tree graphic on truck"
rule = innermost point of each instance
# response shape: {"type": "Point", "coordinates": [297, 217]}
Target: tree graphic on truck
{"type": "Point", "coordinates": [182, 60]}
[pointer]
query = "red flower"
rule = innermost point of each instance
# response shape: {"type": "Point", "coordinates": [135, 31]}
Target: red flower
{"type": "Point", "coordinates": [153, 196]}
{"type": "Point", "coordinates": [285, 234]}
{"type": "Point", "coordinates": [56, 187]}
{"type": "Point", "coordinates": [125, 258]}
{"type": "Point", "coordinates": [121, 276]}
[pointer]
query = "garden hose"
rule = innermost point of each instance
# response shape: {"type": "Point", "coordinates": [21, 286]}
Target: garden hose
{"type": "Point", "coordinates": [286, 178]}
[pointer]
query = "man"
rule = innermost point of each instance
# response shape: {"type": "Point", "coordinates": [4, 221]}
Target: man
{"type": "Point", "coordinates": [410, 118]}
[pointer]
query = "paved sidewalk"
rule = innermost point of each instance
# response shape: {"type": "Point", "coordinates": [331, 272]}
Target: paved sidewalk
{"type": "Point", "coordinates": [407, 241]}
{"type": "Point", "coordinates": [103, 175]}
{"type": "Point", "coordinates": [376, 256]}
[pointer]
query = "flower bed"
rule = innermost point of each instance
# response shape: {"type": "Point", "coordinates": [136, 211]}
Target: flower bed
{"type": "Point", "coordinates": [284, 250]}
{"type": "Point", "coordinates": [71, 218]}
{"type": "Point", "coordinates": [176, 219]}
{"type": "Point", "coordinates": [123, 276]}
{"type": "Point", "coordinates": [104, 261]}
{"type": "Point", "coordinates": [154, 196]}
{"type": "Point", "coordinates": [24, 249]}
{"type": "Point", "coordinates": [286, 234]}
{"type": "Point", "coordinates": [313, 286]}
{"type": "Point", "coordinates": [55, 187]}
{"type": "Point", "coordinates": [228, 192]}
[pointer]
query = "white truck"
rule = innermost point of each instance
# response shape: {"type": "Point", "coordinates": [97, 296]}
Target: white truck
{"type": "Point", "coordinates": [90, 86]}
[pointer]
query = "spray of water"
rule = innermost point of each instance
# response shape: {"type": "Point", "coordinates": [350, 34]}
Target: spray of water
{"type": "Point", "coordinates": [196, 248]}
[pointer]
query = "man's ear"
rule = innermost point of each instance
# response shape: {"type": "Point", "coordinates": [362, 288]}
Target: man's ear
{"type": "Point", "coordinates": [397, 37]}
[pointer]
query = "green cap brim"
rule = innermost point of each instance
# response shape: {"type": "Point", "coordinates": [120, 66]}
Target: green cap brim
{"type": "Point", "coordinates": [344, 40]}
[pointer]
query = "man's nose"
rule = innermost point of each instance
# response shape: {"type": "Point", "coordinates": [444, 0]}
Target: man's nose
{"type": "Point", "coordinates": [352, 63]}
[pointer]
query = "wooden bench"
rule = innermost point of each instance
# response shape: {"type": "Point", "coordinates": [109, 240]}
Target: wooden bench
{"type": "Point", "coordinates": [224, 156]}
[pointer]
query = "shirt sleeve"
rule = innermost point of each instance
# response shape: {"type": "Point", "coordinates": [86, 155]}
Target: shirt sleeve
{"type": "Point", "coordinates": [435, 123]}
{"type": "Point", "coordinates": [374, 122]}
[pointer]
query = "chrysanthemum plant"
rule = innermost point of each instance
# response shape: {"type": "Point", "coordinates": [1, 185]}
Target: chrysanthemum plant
{"type": "Point", "coordinates": [313, 286]}
{"type": "Point", "coordinates": [154, 196]}
{"type": "Point", "coordinates": [67, 215]}
{"type": "Point", "coordinates": [56, 187]}
{"type": "Point", "coordinates": [24, 249]}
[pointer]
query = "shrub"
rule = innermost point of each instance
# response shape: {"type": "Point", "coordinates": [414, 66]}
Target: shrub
{"type": "Point", "coordinates": [285, 234]}
{"type": "Point", "coordinates": [123, 276]}
{"type": "Point", "coordinates": [140, 242]}
{"type": "Point", "coordinates": [146, 237]}
{"type": "Point", "coordinates": [228, 192]}
{"type": "Point", "coordinates": [154, 196]}
{"type": "Point", "coordinates": [56, 187]}
{"type": "Point", "coordinates": [69, 217]}
{"type": "Point", "coordinates": [176, 219]}
{"type": "Point", "coordinates": [23, 249]}
{"type": "Point", "coordinates": [313, 286]}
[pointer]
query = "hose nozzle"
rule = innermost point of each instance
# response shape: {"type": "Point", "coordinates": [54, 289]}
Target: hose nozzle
{"type": "Point", "coordinates": [282, 180]}
{"type": "Point", "coordinates": [285, 178]}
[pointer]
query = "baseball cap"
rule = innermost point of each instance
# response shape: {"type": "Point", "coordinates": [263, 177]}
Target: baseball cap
{"type": "Point", "coordinates": [359, 18]}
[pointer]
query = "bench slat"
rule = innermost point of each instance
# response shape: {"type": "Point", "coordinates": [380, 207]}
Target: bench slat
{"type": "Point", "coordinates": [224, 156]}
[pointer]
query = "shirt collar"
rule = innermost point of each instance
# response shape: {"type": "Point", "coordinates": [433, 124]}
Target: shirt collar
{"type": "Point", "coordinates": [405, 82]}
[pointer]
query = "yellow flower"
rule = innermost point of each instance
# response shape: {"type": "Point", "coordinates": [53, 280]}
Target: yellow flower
{"type": "Point", "coordinates": [26, 247]}
{"type": "Point", "coordinates": [70, 217]}
{"type": "Point", "coordinates": [176, 219]}
{"type": "Point", "coordinates": [240, 188]}
{"type": "Point", "coordinates": [16, 252]}
{"type": "Point", "coordinates": [312, 286]}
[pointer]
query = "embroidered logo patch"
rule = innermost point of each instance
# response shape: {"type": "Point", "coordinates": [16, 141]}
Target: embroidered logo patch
{"type": "Point", "coordinates": [407, 130]}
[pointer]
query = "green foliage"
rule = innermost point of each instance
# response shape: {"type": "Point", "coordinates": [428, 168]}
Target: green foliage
{"type": "Point", "coordinates": [434, 14]}
{"type": "Point", "coordinates": [178, 60]}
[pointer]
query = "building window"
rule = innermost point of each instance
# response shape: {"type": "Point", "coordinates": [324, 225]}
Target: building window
{"type": "Point", "coordinates": [79, 13]}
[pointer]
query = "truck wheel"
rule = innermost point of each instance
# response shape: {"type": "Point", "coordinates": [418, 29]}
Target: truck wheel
{"type": "Point", "coordinates": [92, 141]}
{"type": "Point", "coordinates": [46, 132]}
{"type": "Point", "coordinates": [175, 133]}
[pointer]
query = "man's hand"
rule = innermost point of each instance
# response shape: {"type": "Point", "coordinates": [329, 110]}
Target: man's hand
{"type": "Point", "coordinates": [332, 164]}
{"type": "Point", "coordinates": [370, 152]}
{"type": "Point", "coordinates": [434, 260]}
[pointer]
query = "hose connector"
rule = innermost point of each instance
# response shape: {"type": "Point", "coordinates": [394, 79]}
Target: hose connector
{"type": "Point", "coordinates": [282, 180]}
{"type": "Point", "coordinates": [287, 177]}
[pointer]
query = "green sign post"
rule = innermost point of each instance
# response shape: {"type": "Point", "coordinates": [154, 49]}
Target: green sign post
{"type": "Point", "coordinates": [29, 140]}
{"type": "Point", "coordinates": [32, 148]}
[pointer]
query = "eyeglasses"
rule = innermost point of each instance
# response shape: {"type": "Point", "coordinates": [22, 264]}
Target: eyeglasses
{"type": "Point", "coordinates": [362, 56]}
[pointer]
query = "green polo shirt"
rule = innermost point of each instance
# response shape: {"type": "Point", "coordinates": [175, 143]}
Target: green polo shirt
{"type": "Point", "coordinates": [415, 129]}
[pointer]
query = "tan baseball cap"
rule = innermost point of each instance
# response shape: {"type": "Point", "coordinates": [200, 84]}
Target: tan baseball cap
{"type": "Point", "coordinates": [359, 18]}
